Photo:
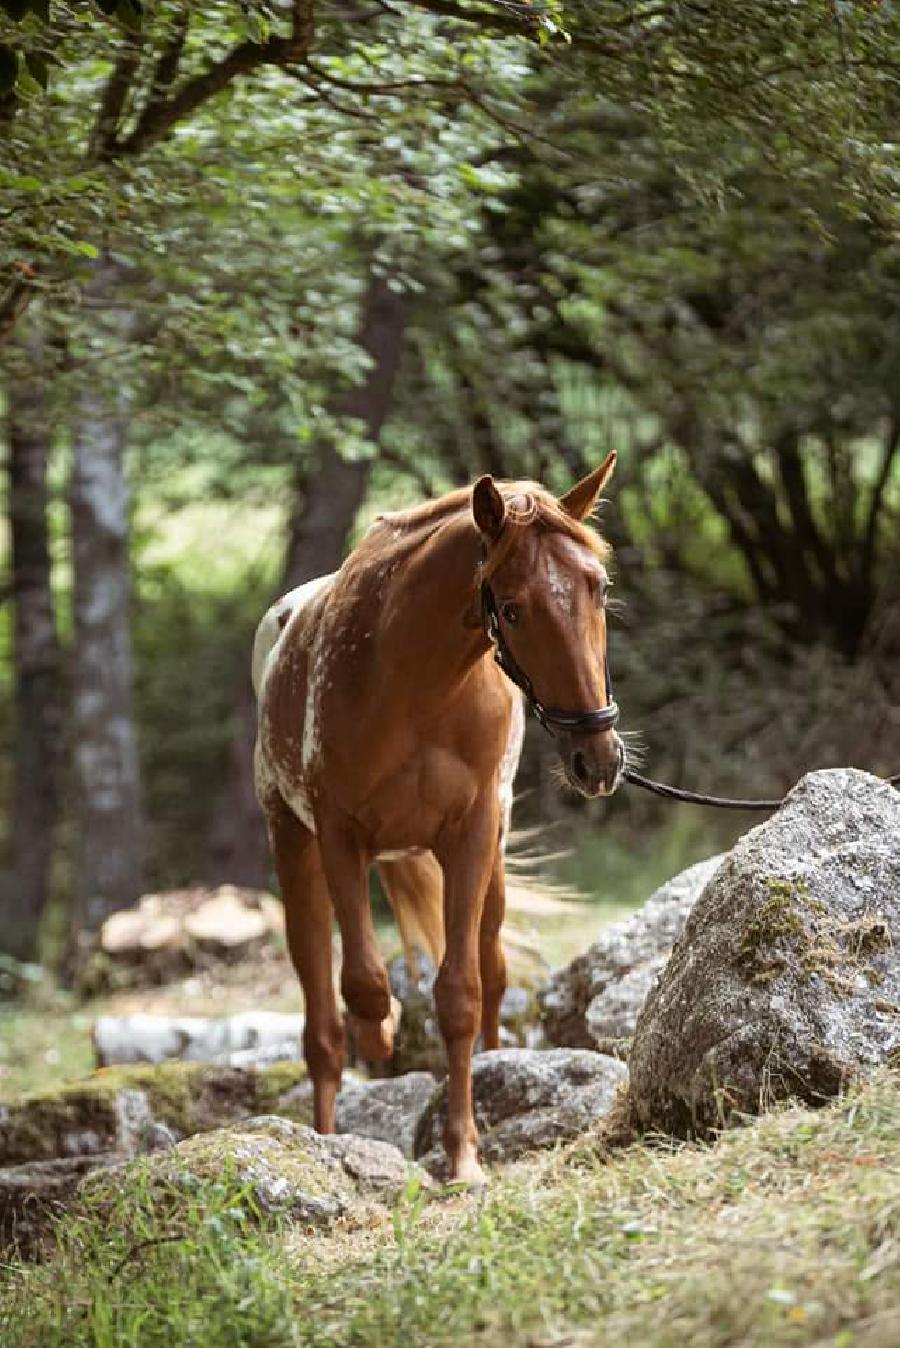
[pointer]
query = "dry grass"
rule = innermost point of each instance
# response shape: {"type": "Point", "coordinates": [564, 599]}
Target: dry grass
{"type": "Point", "coordinates": [784, 1233]}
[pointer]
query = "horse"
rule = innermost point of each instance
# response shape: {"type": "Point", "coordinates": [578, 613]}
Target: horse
{"type": "Point", "coordinates": [389, 731]}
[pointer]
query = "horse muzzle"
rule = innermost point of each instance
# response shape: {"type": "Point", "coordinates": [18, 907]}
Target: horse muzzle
{"type": "Point", "coordinates": [595, 768]}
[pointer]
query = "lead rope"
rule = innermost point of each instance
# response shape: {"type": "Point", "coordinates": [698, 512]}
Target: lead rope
{"type": "Point", "coordinates": [718, 802]}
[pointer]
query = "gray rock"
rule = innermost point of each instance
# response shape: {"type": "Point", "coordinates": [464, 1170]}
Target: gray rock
{"type": "Point", "coordinates": [33, 1195]}
{"type": "Point", "coordinates": [387, 1109]}
{"type": "Point", "coordinates": [250, 1039]}
{"type": "Point", "coordinates": [786, 980]}
{"type": "Point", "coordinates": [525, 1100]}
{"type": "Point", "coordinates": [595, 1000]}
{"type": "Point", "coordinates": [285, 1169]}
{"type": "Point", "coordinates": [418, 1046]}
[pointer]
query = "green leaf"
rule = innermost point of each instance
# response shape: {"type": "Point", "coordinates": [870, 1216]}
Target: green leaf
{"type": "Point", "coordinates": [86, 249]}
{"type": "Point", "coordinates": [19, 183]}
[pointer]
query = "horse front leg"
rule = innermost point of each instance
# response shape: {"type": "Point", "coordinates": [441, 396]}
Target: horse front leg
{"type": "Point", "coordinates": [364, 981]}
{"type": "Point", "coordinates": [493, 961]}
{"type": "Point", "coordinates": [466, 852]}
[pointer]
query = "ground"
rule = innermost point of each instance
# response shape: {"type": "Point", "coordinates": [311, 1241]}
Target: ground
{"type": "Point", "coordinates": [783, 1233]}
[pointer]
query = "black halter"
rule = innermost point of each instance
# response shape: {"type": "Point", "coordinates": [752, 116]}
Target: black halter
{"type": "Point", "coordinates": [552, 719]}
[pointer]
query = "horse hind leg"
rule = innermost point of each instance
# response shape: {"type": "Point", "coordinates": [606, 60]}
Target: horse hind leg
{"type": "Point", "coordinates": [307, 912]}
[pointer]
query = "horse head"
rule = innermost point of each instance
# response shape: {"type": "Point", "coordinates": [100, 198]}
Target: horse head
{"type": "Point", "coordinates": [544, 586]}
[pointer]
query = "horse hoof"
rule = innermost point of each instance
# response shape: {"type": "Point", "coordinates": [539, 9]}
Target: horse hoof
{"type": "Point", "coordinates": [469, 1173]}
{"type": "Point", "coordinates": [374, 1038]}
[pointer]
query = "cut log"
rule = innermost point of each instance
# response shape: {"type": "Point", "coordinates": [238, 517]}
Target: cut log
{"type": "Point", "coordinates": [249, 1039]}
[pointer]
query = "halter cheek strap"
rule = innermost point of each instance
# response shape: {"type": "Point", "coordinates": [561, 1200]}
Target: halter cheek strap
{"type": "Point", "coordinates": [552, 719]}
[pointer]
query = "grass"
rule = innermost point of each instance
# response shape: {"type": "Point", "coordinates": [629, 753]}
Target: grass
{"type": "Point", "coordinates": [785, 1233]}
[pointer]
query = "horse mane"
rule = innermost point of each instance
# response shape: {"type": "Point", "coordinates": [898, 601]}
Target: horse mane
{"type": "Point", "coordinates": [528, 505]}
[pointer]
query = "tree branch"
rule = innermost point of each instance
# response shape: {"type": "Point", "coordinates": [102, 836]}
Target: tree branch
{"type": "Point", "coordinates": [103, 136]}
{"type": "Point", "coordinates": [166, 68]}
{"type": "Point", "coordinates": [244, 59]}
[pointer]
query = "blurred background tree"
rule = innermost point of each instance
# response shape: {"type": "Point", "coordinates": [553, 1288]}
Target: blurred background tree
{"type": "Point", "coordinates": [266, 271]}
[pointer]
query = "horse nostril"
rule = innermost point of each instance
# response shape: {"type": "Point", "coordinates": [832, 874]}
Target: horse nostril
{"type": "Point", "coordinates": [579, 766]}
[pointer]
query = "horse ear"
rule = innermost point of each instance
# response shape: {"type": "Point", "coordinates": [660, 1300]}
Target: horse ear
{"type": "Point", "coordinates": [580, 500]}
{"type": "Point", "coordinates": [488, 507]}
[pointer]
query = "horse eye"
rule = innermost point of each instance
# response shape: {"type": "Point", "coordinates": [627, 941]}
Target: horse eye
{"type": "Point", "coordinates": [510, 613]}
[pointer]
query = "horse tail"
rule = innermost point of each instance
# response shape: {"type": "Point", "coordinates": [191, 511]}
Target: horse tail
{"type": "Point", "coordinates": [414, 885]}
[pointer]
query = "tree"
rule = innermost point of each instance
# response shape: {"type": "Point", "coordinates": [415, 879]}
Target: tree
{"type": "Point", "coordinates": [38, 696]}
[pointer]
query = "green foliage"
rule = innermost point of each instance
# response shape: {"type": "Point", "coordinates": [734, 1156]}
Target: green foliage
{"type": "Point", "coordinates": [197, 1268]}
{"type": "Point", "coordinates": [667, 228]}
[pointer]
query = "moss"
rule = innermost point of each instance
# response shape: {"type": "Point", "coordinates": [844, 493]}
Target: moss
{"type": "Point", "coordinates": [791, 922]}
{"type": "Point", "coordinates": [263, 1168]}
{"type": "Point", "coordinates": [774, 922]}
{"type": "Point", "coordinates": [275, 1082]}
{"type": "Point", "coordinates": [188, 1098]}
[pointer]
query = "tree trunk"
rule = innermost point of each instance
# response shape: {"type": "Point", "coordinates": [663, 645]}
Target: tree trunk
{"type": "Point", "coordinates": [325, 511]}
{"type": "Point", "coordinates": [326, 504]}
{"type": "Point", "coordinates": [33, 815]}
{"type": "Point", "coordinates": [105, 759]}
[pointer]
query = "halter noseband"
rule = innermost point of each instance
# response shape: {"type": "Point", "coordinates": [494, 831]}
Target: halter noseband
{"type": "Point", "coordinates": [552, 719]}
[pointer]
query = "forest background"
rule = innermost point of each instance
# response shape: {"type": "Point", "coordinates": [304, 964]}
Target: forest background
{"type": "Point", "coordinates": [269, 268]}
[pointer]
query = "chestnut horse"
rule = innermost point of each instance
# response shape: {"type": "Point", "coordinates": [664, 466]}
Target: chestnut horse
{"type": "Point", "coordinates": [388, 734]}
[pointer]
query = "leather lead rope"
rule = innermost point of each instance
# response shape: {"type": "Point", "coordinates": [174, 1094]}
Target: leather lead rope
{"type": "Point", "coordinates": [717, 802]}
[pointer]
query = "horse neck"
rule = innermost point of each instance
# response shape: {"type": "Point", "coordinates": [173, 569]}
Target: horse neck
{"type": "Point", "coordinates": [435, 604]}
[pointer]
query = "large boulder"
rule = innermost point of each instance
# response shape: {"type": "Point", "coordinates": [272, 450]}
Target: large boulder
{"type": "Point", "coordinates": [594, 1002]}
{"type": "Point", "coordinates": [525, 1099]}
{"type": "Point", "coordinates": [272, 1167]}
{"type": "Point", "coordinates": [129, 1110]}
{"type": "Point", "coordinates": [786, 979]}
